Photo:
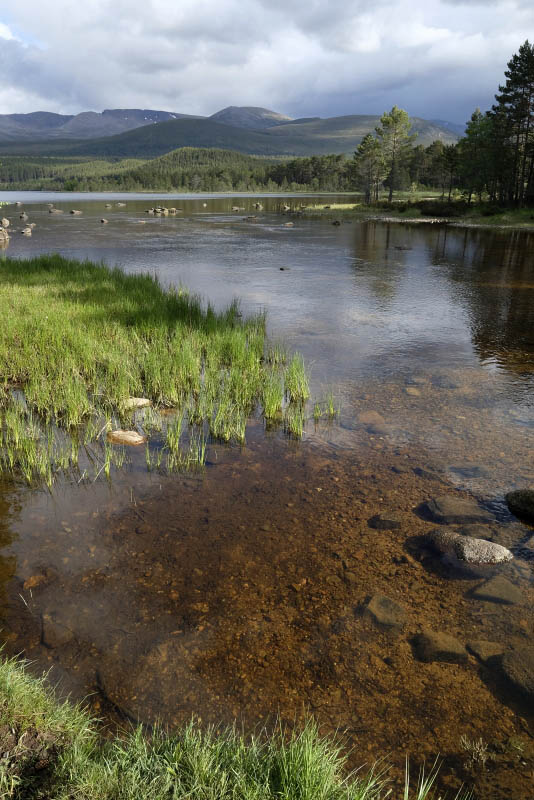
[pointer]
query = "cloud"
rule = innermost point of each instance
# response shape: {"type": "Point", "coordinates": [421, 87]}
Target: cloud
{"type": "Point", "coordinates": [437, 58]}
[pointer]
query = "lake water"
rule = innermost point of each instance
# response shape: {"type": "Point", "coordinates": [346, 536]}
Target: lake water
{"type": "Point", "coordinates": [242, 592]}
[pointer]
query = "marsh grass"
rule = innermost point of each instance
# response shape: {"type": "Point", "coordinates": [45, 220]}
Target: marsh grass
{"type": "Point", "coordinates": [197, 763]}
{"type": "Point", "coordinates": [77, 339]}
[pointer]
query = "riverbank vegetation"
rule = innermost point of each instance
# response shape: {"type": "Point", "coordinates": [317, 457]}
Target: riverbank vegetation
{"type": "Point", "coordinates": [51, 749]}
{"type": "Point", "coordinates": [80, 340]}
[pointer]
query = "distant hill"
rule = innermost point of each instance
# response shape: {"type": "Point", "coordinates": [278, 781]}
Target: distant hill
{"type": "Point", "coordinates": [249, 117]}
{"type": "Point", "coordinates": [297, 138]}
{"type": "Point", "coordinates": [42, 125]}
{"type": "Point", "coordinates": [454, 127]}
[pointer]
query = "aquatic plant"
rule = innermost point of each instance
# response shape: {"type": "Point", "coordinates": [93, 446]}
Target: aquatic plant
{"type": "Point", "coordinates": [78, 339]}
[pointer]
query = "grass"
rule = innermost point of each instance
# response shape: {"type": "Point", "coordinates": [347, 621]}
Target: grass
{"type": "Point", "coordinates": [53, 750]}
{"type": "Point", "coordinates": [78, 339]}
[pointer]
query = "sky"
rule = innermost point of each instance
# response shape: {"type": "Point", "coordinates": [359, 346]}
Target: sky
{"type": "Point", "coordinates": [438, 59]}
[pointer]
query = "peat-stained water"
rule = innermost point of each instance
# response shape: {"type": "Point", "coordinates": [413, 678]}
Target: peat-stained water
{"type": "Point", "coordinates": [242, 592]}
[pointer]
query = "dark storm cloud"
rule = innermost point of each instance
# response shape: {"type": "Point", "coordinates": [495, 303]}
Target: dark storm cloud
{"type": "Point", "coordinates": [438, 58]}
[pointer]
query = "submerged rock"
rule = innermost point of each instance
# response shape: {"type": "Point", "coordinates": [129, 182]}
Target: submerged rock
{"type": "Point", "coordinates": [385, 522]}
{"type": "Point", "coordinates": [374, 422]}
{"type": "Point", "coordinates": [453, 510]}
{"type": "Point", "coordinates": [384, 611]}
{"type": "Point", "coordinates": [433, 646]}
{"type": "Point", "coordinates": [485, 651]}
{"type": "Point", "coordinates": [498, 590]}
{"type": "Point", "coordinates": [126, 437]}
{"type": "Point", "coordinates": [521, 504]}
{"type": "Point", "coordinates": [54, 634]}
{"type": "Point", "coordinates": [518, 668]}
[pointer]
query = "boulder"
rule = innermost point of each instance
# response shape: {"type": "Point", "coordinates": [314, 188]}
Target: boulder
{"type": "Point", "coordinates": [104, 221]}
{"type": "Point", "coordinates": [498, 590]}
{"type": "Point", "coordinates": [4, 222]}
{"type": "Point", "coordinates": [385, 522]}
{"type": "Point", "coordinates": [386, 612]}
{"type": "Point", "coordinates": [75, 211]}
{"type": "Point", "coordinates": [126, 437]}
{"type": "Point", "coordinates": [433, 646]}
{"type": "Point", "coordinates": [518, 668]}
{"type": "Point", "coordinates": [521, 504]}
{"type": "Point", "coordinates": [454, 510]}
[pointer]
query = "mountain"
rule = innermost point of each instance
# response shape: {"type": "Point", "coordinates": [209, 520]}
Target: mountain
{"type": "Point", "coordinates": [454, 127]}
{"type": "Point", "coordinates": [249, 117]}
{"type": "Point", "coordinates": [298, 138]}
{"type": "Point", "coordinates": [42, 125]}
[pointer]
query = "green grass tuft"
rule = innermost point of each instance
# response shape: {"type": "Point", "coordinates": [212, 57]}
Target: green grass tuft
{"type": "Point", "coordinates": [77, 339]}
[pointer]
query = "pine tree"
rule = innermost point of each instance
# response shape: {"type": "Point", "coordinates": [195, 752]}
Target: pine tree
{"type": "Point", "coordinates": [514, 113]}
{"type": "Point", "coordinates": [369, 167]}
{"type": "Point", "coordinates": [396, 141]}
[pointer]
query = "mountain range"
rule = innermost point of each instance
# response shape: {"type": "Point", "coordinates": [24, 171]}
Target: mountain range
{"type": "Point", "coordinates": [149, 133]}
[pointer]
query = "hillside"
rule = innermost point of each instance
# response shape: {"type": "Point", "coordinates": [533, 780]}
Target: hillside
{"type": "Point", "coordinates": [298, 138]}
{"type": "Point", "coordinates": [249, 117]}
{"type": "Point", "coordinates": [42, 125]}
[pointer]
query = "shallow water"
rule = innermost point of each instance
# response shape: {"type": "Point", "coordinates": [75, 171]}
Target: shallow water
{"type": "Point", "coordinates": [240, 592]}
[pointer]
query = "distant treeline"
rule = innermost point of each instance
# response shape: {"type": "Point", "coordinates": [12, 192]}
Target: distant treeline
{"type": "Point", "coordinates": [209, 170]}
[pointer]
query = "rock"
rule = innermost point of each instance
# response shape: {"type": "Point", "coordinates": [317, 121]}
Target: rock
{"type": "Point", "coordinates": [55, 211]}
{"type": "Point", "coordinates": [104, 221]}
{"type": "Point", "coordinates": [108, 205]}
{"type": "Point", "coordinates": [485, 651]}
{"type": "Point", "coordinates": [120, 205]}
{"type": "Point", "coordinates": [26, 231]}
{"type": "Point", "coordinates": [126, 437]}
{"type": "Point", "coordinates": [469, 471]}
{"type": "Point", "coordinates": [480, 551]}
{"type": "Point", "coordinates": [444, 382]}
{"type": "Point", "coordinates": [158, 687]}
{"type": "Point", "coordinates": [288, 225]}
{"type": "Point", "coordinates": [432, 646]}
{"type": "Point", "coordinates": [4, 236]}
{"type": "Point", "coordinates": [412, 391]}
{"type": "Point", "coordinates": [427, 474]}
{"type": "Point", "coordinates": [137, 402]}
{"type": "Point", "coordinates": [385, 522]}
{"type": "Point", "coordinates": [455, 510]}
{"type": "Point", "coordinates": [521, 504]}
{"type": "Point", "coordinates": [54, 634]}
{"type": "Point", "coordinates": [498, 590]}
{"type": "Point", "coordinates": [415, 380]}
{"type": "Point", "coordinates": [518, 668]}
{"type": "Point", "coordinates": [24, 217]}
{"type": "Point", "coordinates": [442, 540]}
{"type": "Point", "coordinates": [385, 611]}
{"type": "Point", "coordinates": [4, 223]}
{"type": "Point", "coordinates": [75, 211]}
{"type": "Point", "coordinates": [374, 422]}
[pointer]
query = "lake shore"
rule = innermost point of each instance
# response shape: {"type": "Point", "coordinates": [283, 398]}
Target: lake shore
{"type": "Point", "coordinates": [511, 219]}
